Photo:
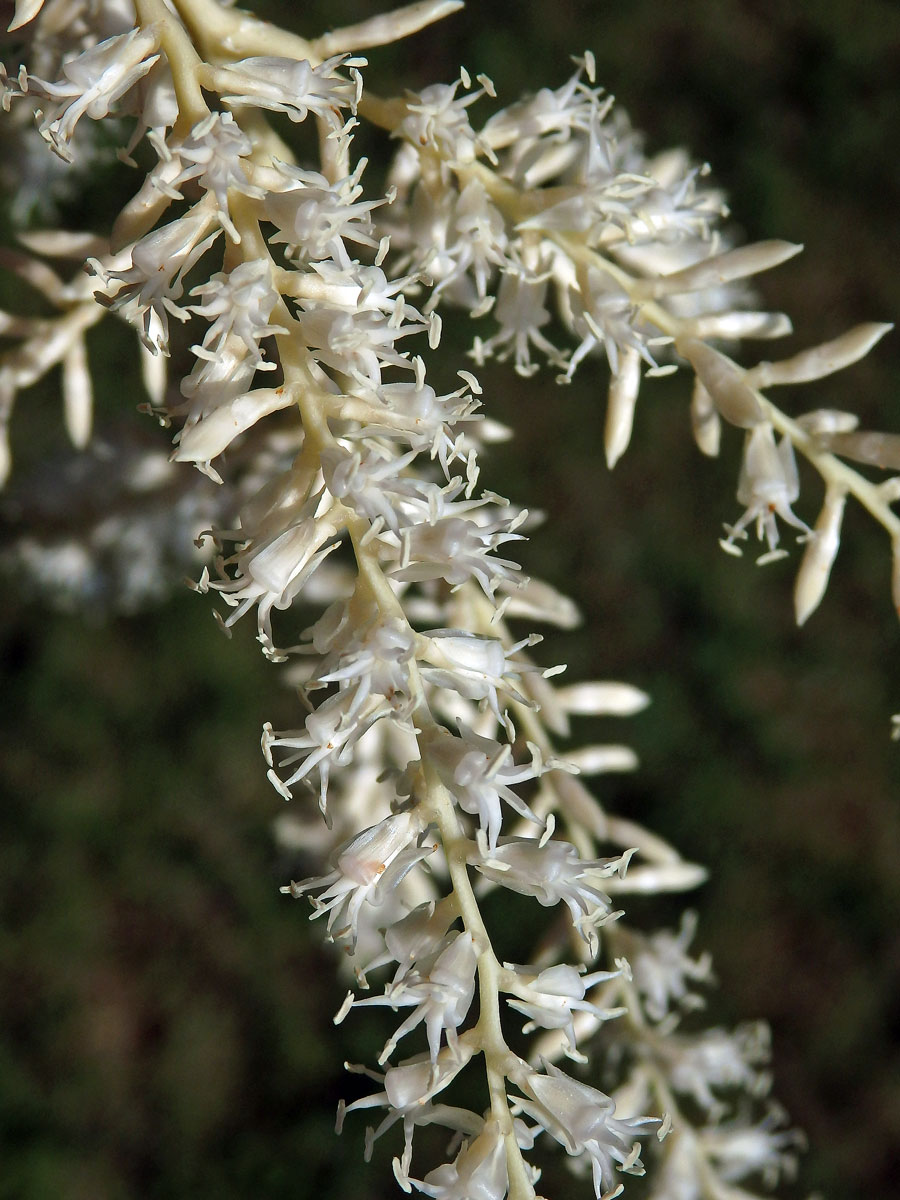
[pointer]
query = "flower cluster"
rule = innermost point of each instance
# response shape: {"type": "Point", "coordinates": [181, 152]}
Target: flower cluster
{"type": "Point", "coordinates": [427, 732]}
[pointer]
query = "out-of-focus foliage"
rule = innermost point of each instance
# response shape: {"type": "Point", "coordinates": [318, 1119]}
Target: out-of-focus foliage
{"type": "Point", "coordinates": [162, 1009]}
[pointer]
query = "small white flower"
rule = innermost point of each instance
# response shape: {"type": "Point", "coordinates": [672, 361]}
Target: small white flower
{"type": "Point", "coordinates": [521, 313]}
{"type": "Point", "coordinates": [274, 563]}
{"type": "Point", "coordinates": [479, 1171]}
{"type": "Point", "coordinates": [480, 773]}
{"type": "Point", "coordinates": [413, 412]}
{"type": "Point", "coordinates": [212, 155]}
{"type": "Point", "coordinates": [415, 937]}
{"type": "Point", "coordinates": [291, 86]}
{"type": "Point", "coordinates": [476, 247]}
{"type": "Point", "coordinates": [409, 1090]}
{"type": "Point", "coordinates": [368, 867]}
{"type": "Point", "coordinates": [476, 667]}
{"type": "Point", "coordinates": [604, 317]}
{"type": "Point", "coordinates": [437, 119]}
{"type": "Point", "coordinates": [583, 1120]}
{"type": "Point", "coordinates": [91, 84]}
{"type": "Point", "coordinates": [441, 994]}
{"type": "Point", "coordinates": [548, 113]}
{"type": "Point", "coordinates": [740, 1149]}
{"type": "Point", "coordinates": [327, 739]}
{"type": "Point", "coordinates": [146, 292]}
{"type": "Point", "coordinates": [550, 998]}
{"type": "Point", "coordinates": [553, 872]}
{"type": "Point", "coordinates": [457, 549]}
{"type": "Point", "coordinates": [359, 341]}
{"type": "Point", "coordinates": [214, 383]}
{"type": "Point", "coordinates": [717, 1059]}
{"type": "Point", "coordinates": [372, 482]}
{"type": "Point", "coordinates": [240, 301]}
{"type": "Point", "coordinates": [315, 217]}
{"type": "Point", "coordinates": [663, 971]}
{"type": "Point", "coordinates": [208, 437]}
{"type": "Point", "coordinates": [768, 486]}
{"type": "Point", "coordinates": [373, 660]}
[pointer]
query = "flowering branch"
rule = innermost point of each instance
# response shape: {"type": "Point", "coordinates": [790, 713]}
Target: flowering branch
{"type": "Point", "coordinates": [432, 755]}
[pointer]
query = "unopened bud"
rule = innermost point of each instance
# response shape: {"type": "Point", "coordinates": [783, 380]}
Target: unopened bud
{"type": "Point", "coordinates": [623, 394]}
{"type": "Point", "coordinates": [78, 394]}
{"type": "Point", "coordinates": [734, 325]}
{"type": "Point", "coordinates": [875, 449]}
{"type": "Point", "coordinates": [722, 268]}
{"type": "Point", "coordinates": [821, 360]}
{"type": "Point", "coordinates": [821, 550]}
{"type": "Point", "coordinates": [705, 421]}
{"type": "Point", "coordinates": [725, 382]}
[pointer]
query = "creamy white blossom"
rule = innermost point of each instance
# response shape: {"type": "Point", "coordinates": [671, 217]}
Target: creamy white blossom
{"type": "Point", "coordinates": [366, 869]}
{"type": "Point", "coordinates": [583, 1120]}
{"type": "Point", "coordinates": [768, 486]}
{"type": "Point", "coordinates": [91, 84]}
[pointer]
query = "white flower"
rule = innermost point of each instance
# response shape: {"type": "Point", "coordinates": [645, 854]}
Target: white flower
{"type": "Point", "coordinates": [479, 1171]}
{"type": "Point", "coordinates": [740, 1149]}
{"type": "Point", "coordinates": [373, 660]}
{"type": "Point", "coordinates": [521, 313]}
{"type": "Point", "coordinates": [91, 84]}
{"type": "Point", "coordinates": [368, 867]}
{"type": "Point", "coordinates": [476, 245]}
{"type": "Point", "coordinates": [372, 483]}
{"type": "Point", "coordinates": [441, 994]}
{"type": "Point", "coordinates": [456, 549]}
{"type": "Point", "coordinates": [662, 969]}
{"type": "Point", "coordinates": [768, 486]}
{"type": "Point", "coordinates": [315, 217]}
{"type": "Point", "coordinates": [241, 302]}
{"type": "Point", "coordinates": [717, 1059]}
{"type": "Point", "coordinates": [208, 437]}
{"type": "Point", "coordinates": [274, 563]}
{"type": "Point", "coordinates": [409, 1090]}
{"type": "Point", "coordinates": [479, 773]}
{"type": "Point", "coordinates": [328, 738]}
{"type": "Point", "coordinates": [214, 383]}
{"type": "Point", "coordinates": [549, 999]}
{"type": "Point", "coordinates": [437, 119]}
{"type": "Point", "coordinates": [557, 113]}
{"type": "Point", "coordinates": [147, 291]}
{"type": "Point", "coordinates": [415, 937]}
{"type": "Point", "coordinates": [413, 412]}
{"type": "Point", "coordinates": [583, 1120]}
{"type": "Point", "coordinates": [291, 86]}
{"type": "Point", "coordinates": [553, 872]}
{"type": "Point", "coordinates": [606, 317]}
{"type": "Point", "coordinates": [212, 154]}
{"type": "Point", "coordinates": [358, 341]}
{"type": "Point", "coordinates": [476, 667]}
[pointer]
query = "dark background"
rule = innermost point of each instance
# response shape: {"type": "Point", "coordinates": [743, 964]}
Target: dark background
{"type": "Point", "coordinates": [166, 1015]}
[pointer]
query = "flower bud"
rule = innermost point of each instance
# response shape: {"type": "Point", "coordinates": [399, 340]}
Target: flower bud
{"type": "Point", "coordinates": [623, 393]}
{"type": "Point", "coordinates": [821, 360]}
{"type": "Point", "coordinates": [725, 382]}
{"type": "Point", "coordinates": [705, 421]}
{"type": "Point", "coordinates": [821, 549]}
{"type": "Point", "coordinates": [723, 268]}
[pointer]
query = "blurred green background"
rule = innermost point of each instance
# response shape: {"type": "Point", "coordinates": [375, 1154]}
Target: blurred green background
{"type": "Point", "coordinates": [165, 1015]}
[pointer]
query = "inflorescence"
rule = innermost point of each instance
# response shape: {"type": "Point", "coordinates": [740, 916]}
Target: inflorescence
{"type": "Point", "coordinates": [426, 737]}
